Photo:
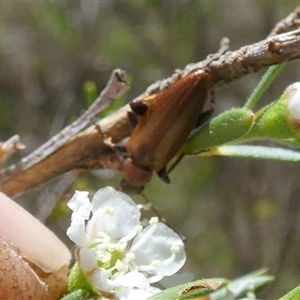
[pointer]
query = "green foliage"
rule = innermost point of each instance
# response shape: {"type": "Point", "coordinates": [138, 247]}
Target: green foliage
{"type": "Point", "coordinates": [224, 128]}
{"type": "Point", "coordinates": [263, 85]}
{"type": "Point", "coordinates": [78, 283]}
{"type": "Point", "coordinates": [275, 123]}
{"type": "Point", "coordinates": [256, 152]}
{"type": "Point", "coordinates": [218, 289]}
{"type": "Point", "coordinates": [77, 295]}
{"type": "Point", "coordinates": [191, 290]}
{"type": "Point", "coordinates": [240, 287]}
{"type": "Point", "coordinates": [292, 295]}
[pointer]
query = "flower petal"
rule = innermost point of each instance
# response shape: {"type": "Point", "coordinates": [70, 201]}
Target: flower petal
{"type": "Point", "coordinates": [81, 206]}
{"type": "Point", "coordinates": [294, 100]}
{"type": "Point", "coordinates": [163, 245]}
{"type": "Point", "coordinates": [137, 285]}
{"type": "Point", "coordinates": [133, 280]}
{"type": "Point", "coordinates": [134, 294]}
{"type": "Point", "coordinates": [114, 214]}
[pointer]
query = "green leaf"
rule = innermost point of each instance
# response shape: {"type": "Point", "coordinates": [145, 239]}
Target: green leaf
{"type": "Point", "coordinates": [263, 85]}
{"type": "Point", "coordinates": [76, 295]}
{"type": "Point", "coordinates": [238, 288]}
{"type": "Point", "coordinates": [78, 281]}
{"type": "Point", "coordinates": [190, 290]}
{"type": "Point", "coordinates": [256, 152]}
{"type": "Point", "coordinates": [224, 128]}
{"type": "Point", "coordinates": [292, 295]}
{"type": "Point", "coordinates": [217, 289]}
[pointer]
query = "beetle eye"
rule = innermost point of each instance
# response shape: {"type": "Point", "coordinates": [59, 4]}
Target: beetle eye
{"type": "Point", "coordinates": [138, 107]}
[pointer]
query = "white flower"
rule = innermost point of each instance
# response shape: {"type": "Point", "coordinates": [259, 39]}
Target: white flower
{"type": "Point", "coordinates": [116, 253]}
{"type": "Point", "coordinates": [294, 100]}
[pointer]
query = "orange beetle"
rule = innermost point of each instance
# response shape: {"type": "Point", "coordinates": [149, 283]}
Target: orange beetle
{"type": "Point", "coordinates": [163, 127]}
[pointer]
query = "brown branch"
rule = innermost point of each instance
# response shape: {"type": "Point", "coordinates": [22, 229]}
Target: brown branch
{"type": "Point", "coordinates": [232, 65]}
{"type": "Point", "coordinates": [291, 21]}
{"type": "Point", "coordinates": [116, 86]}
{"type": "Point", "coordinates": [87, 150]}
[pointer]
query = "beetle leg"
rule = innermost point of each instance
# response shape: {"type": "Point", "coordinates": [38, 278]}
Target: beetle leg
{"type": "Point", "coordinates": [163, 175]}
{"type": "Point", "coordinates": [204, 117]}
{"type": "Point", "coordinates": [117, 147]}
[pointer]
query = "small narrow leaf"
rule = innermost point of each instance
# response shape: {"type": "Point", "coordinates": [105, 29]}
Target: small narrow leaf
{"type": "Point", "coordinates": [240, 287]}
{"type": "Point", "coordinates": [77, 295]}
{"type": "Point", "coordinates": [191, 290]}
{"type": "Point", "coordinates": [78, 281]}
{"type": "Point", "coordinates": [257, 152]}
{"type": "Point", "coordinates": [292, 295]}
{"type": "Point", "coordinates": [263, 85]}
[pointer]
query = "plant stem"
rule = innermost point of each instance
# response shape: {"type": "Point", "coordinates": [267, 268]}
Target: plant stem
{"type": "Point", "coordinates": [263, 85]}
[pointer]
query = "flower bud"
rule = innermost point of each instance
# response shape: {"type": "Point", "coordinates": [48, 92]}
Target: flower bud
{"type": "Point", "coordinates": [280, 120]}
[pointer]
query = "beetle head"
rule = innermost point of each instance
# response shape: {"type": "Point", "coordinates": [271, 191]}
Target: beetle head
{"type": "Point", "coordinates": [135, 177]}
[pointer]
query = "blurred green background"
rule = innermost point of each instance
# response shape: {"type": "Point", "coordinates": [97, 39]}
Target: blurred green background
{"type": "Point", "coordinates": [237, 215]}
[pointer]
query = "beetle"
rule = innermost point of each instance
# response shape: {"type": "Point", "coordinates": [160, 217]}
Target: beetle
{"type": "Point", "coordinates": [162, 126]}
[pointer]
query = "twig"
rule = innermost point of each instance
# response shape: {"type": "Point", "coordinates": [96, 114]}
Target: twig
{"type": "Point", "coordinates": [116, 86]}
{"type": "Point", "coordinates": [292, 20]}
{"type": "Point", "coordinates": [235, 64]}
